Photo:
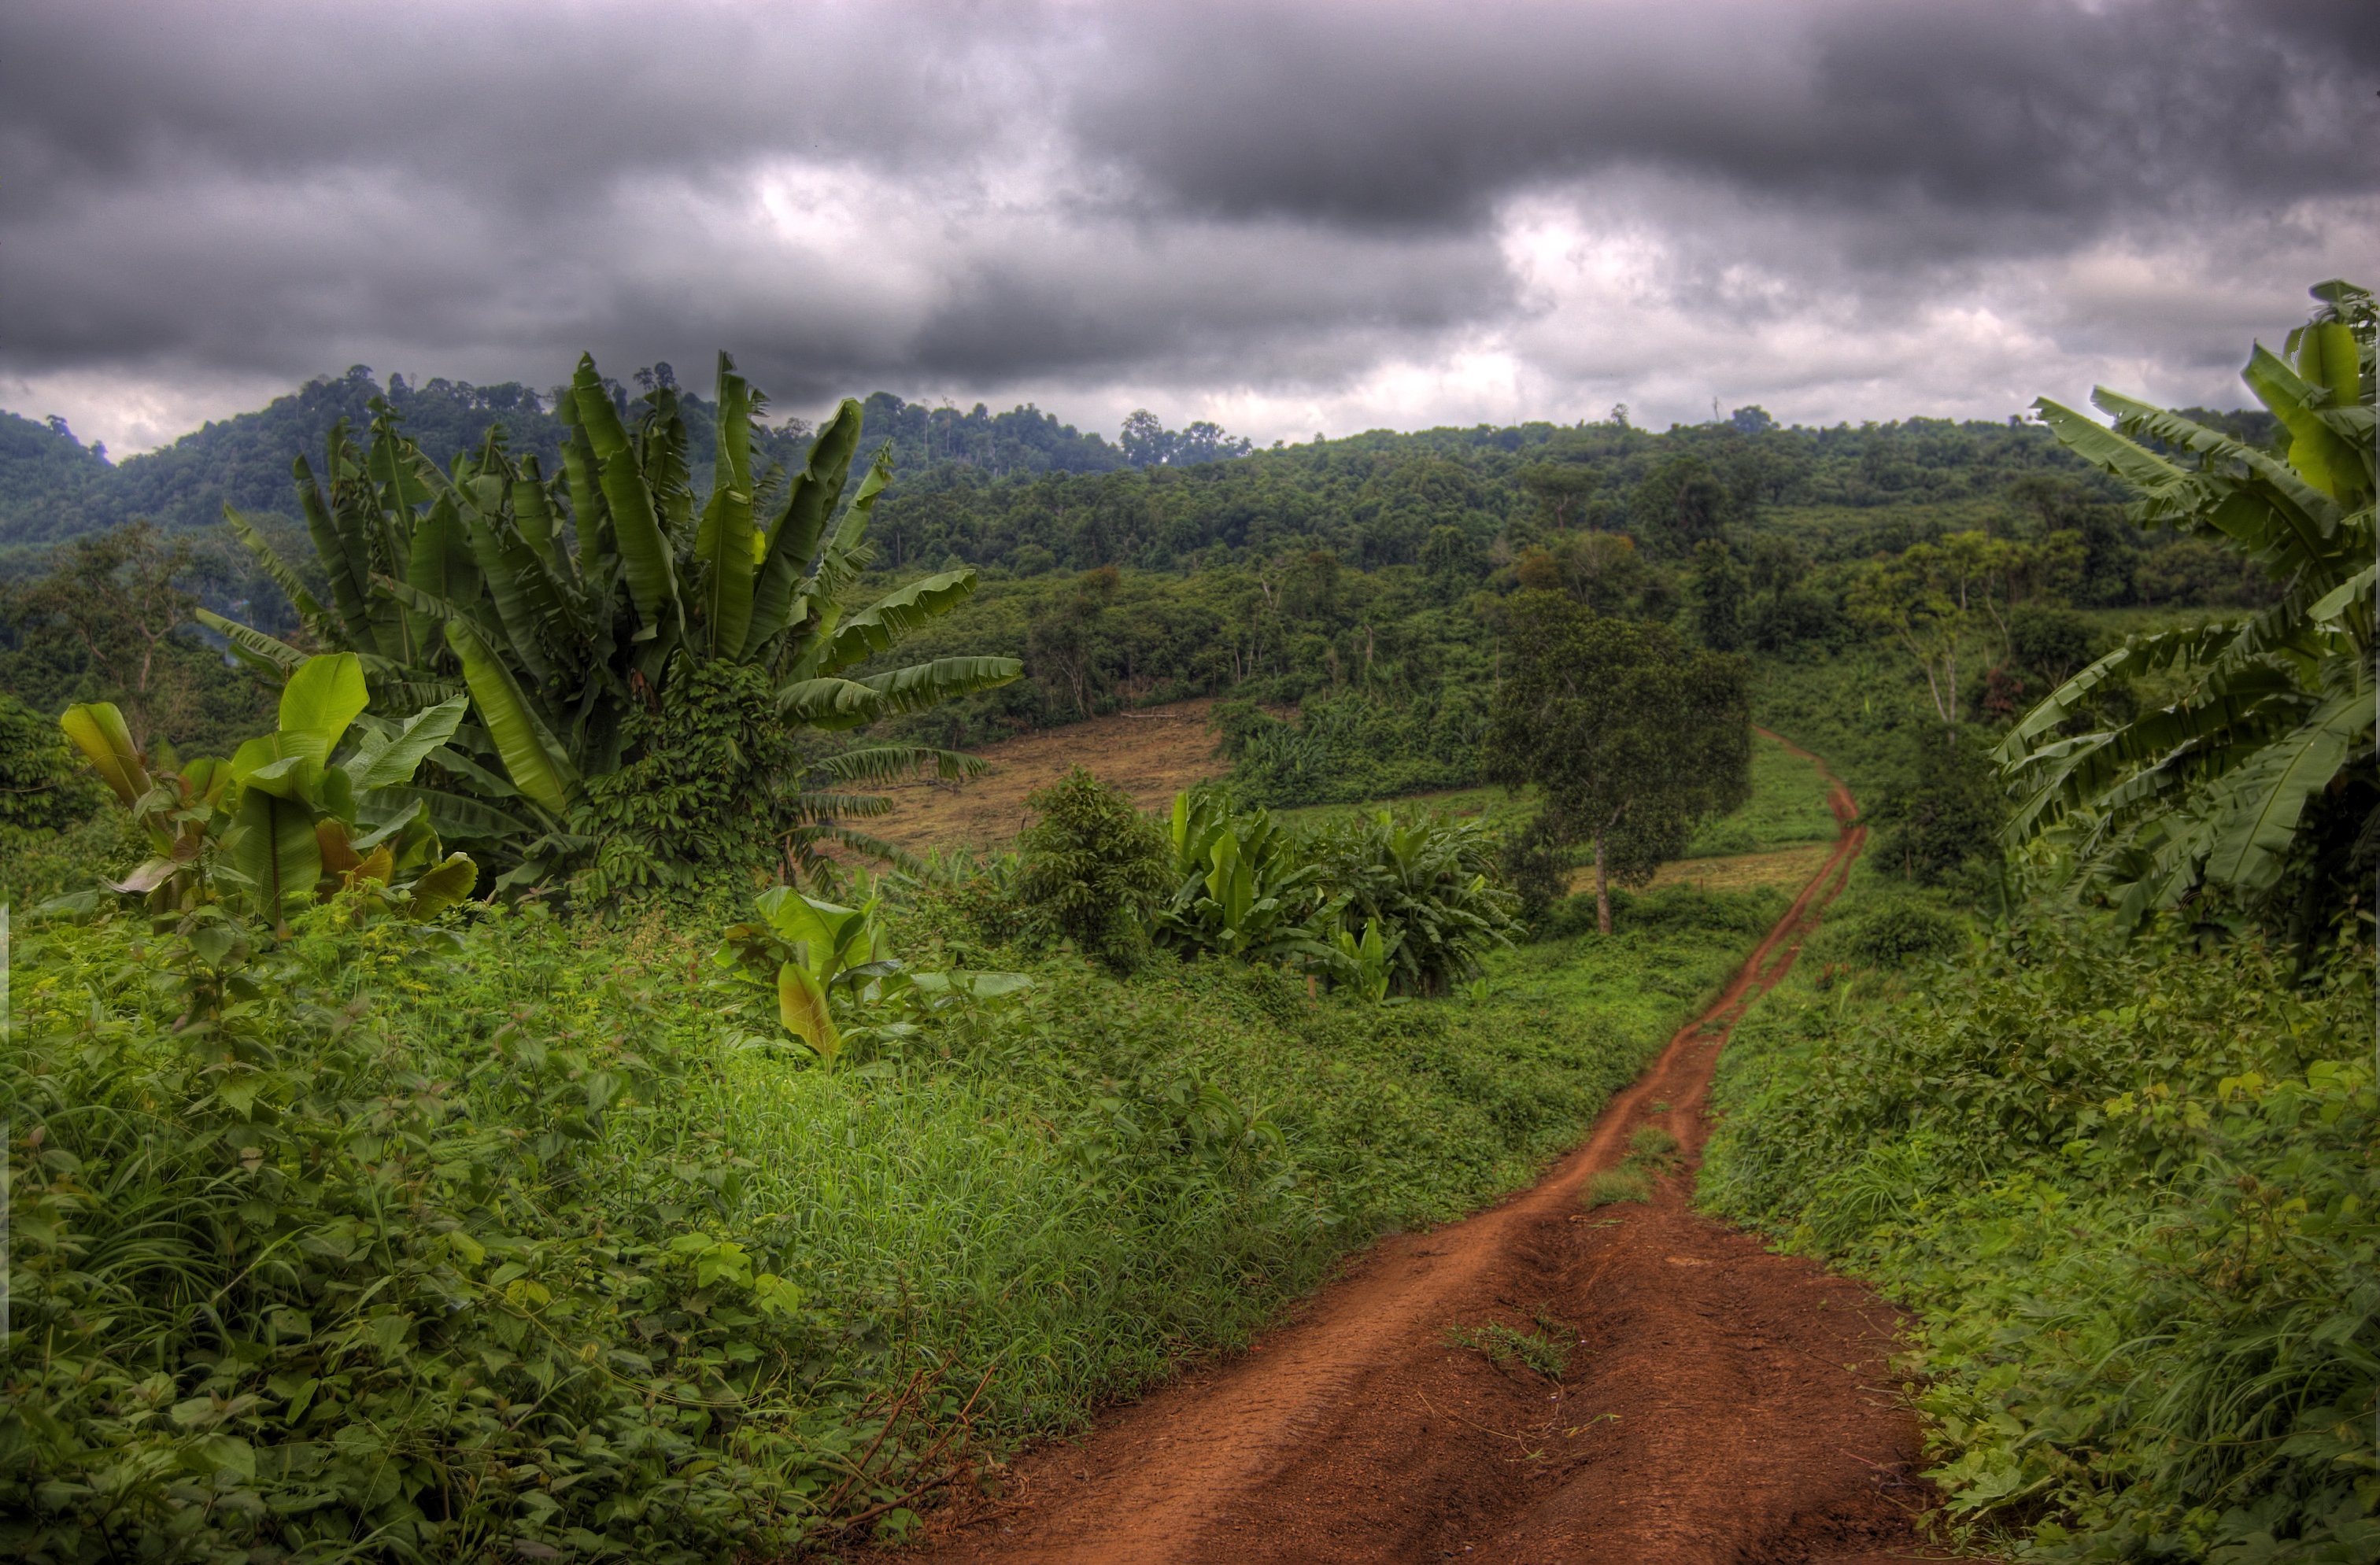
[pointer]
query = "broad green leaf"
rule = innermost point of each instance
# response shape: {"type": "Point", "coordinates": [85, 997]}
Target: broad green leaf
{"type": "Point", "coordinates": [636, 523]}
{"type": "Point", "coordinates": [349, 569]}
{"type": "Point", "coordinates": [890, 619]}
{"type": "Point", "coordinates": [532, 759]}
{"type": "Point", "coordinates": [98, 731]}
{"type": "Point", "coordinates": [2103, 447]}
{"type": "Point", "coordinates": [451, 814]}
{"type": "Point", "coordinates": [532, 513]}
{"type": "Point", "coordinates": [273, 844]}
{"type": "Point", "coordinates": [437, 890]}
{"type": "Point", "coordinates": [2260, 805]}
{"type": "Point", "coordinates": [278, 654]}
{"type": "Point", "coordinates": [2326, 462]}
{"type": "Point", "coordinates": [794, 536]}
{"type": "Point", "coordinates": [441, 566]}
{"type": "Point", "coordinates": [802, 1007]}
{"type": "Point", "coordinates": [381, 762]}
{"type": "Point", "coordinates": [833, 703]}
{"type": "Point", "coordinates": [317, 623]}
{"type": "Point", "coordinates": [322, 700]}
{"type": "Point", "coordinates": [725, 543]}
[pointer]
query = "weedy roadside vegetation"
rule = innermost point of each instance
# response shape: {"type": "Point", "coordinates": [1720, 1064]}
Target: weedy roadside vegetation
{"type": "Point", "coordinates": [395, 1241]}
{"type": "Point", "coordinates": [2128, 1189]}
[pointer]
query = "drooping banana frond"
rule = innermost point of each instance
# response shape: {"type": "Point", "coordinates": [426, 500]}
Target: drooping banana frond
{"type": "Point", "coordinates": [875, 765]}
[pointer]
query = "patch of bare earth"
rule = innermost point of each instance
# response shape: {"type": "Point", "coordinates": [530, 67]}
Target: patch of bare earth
{"type": "Point", "coordinates": [1152, 754]}
{"type": "Point", "coordinates": [1722, 1403]}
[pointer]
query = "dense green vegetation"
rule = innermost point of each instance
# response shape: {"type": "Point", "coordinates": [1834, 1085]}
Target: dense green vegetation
{"type": "Point", "coordinates": [2119, 1150]}
{"type": "Point", "coordinates": [700, 1194]}
{"type": "Point", "coordinates": [398, 1243]}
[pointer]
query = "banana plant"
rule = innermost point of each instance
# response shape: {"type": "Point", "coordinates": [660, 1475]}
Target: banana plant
{"type": "Point", "coordinates": [561, 602]}
{"type": "Point", "coordinates": [1430, 881]}
{"type": "Point", "coordinates": [1364, 965]}
{"type": "Point", "coordinates": [816, 955]}
{"type": "Point", "coordinates": [289, 818]}
{"type": "Point", "coordinates": [1247, 891]}
{"type": "Point", "coordinates": [2211, 793]}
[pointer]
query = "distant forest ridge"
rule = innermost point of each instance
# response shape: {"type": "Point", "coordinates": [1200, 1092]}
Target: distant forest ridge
{"type": "Point", "coordinates": [53, 487]}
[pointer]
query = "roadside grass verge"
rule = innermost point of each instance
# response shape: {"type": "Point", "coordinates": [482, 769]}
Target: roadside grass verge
{"type": "Point", "coordinates": [2129, 1193]}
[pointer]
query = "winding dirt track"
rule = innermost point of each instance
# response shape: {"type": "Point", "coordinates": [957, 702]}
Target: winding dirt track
{"type": "Point", "coordinates": [1722, 1403]}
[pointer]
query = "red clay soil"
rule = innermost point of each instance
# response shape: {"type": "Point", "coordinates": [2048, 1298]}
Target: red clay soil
{"type": "Point", "coordinates": [1722, 1403]}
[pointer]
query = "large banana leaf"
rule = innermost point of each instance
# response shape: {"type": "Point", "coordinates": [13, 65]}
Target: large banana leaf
{"type": "Point", "coordinates": [439, 565]}
{"type": "Point", "coordinates": [636, 519]}
{"type": "Point", "coordinates": [386, 759]}
{"type": "Point", "coordinates": [2212, 789]}
{"type": "Point", "coordinates": [889, 621]}
{"type": "Point", "coordinates": [793, 538]}
{"type": "Point", "coordinates": [532, 759]}
{"type": "Point", "coordinates": [258, 647]}
{"type": "Point", "coordinates": [724, 545]}
{"type": "Point", "coordinates": [832, 703]}
{"type": "Point", "coordinates": [319, 624]}
{"type": "Point", "coordinates": [98, 731]}
{"type": "Point", "coordinates": [2262, 802]}
{"type": "Point", "coordinates": [273, 846]}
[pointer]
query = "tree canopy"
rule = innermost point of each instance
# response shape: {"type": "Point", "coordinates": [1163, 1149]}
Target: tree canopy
{"type": "Point", "coordinates": [1630, 738]}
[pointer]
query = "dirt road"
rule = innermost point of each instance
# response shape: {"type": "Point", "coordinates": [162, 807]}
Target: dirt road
{"type": "Point", "coordinates": [1721, 1403]}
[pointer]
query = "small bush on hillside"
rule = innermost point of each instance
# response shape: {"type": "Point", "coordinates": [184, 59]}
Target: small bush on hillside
{"type": "Point", "coordinates": [42, 788]}
{"type": "Point", "coordinates": [1095, 867]}
{"type": "Point", "coordinates": [1901, 932]}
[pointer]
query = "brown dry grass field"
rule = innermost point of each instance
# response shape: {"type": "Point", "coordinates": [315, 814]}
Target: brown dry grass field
{"type": "Point", "coordinates": [1152, 754]}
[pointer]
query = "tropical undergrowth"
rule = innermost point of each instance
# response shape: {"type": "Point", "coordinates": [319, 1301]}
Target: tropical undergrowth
{"type": "Point", "coordinates": [535, 1238]}
{"type": "Point", "coordinates": [2130, 1191]}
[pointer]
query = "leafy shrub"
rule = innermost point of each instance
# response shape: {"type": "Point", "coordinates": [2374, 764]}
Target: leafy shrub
{"type": "Point", "coordinates": [1429, 884]}
{"type": "Point", "coordinates": [1899, 931]}
{"type": "Point", "coordinates": [1796, 621]}
{"type": "Point", "coordinates": [1095, 867]}
{"type": "Point", "coordinates": [42, 789]}
{"type": "Point", "coordinates": [1944, 810]}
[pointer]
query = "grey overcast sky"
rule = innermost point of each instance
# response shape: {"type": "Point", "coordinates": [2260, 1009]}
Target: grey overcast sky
{"type": "Point", "coordinates": [1289, 218]}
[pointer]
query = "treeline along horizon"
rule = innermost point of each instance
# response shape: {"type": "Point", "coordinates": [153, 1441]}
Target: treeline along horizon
{"type": "Point", "coordinates": [983, 485]}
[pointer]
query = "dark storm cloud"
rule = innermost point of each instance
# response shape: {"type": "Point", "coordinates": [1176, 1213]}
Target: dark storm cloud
{"type": "Point", "coordinates": [1291, 200]}
{"type": "Point", "coordinates": [2017, 109]}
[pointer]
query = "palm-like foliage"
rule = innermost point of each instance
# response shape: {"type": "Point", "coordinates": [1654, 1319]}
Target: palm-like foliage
{"type": "Point", "coordinates": [564, 604]}
{"type": "Point", "coordinates": [1247, 888]}
{"type": "Point", "coordinates": [1431, 882]}
{"type": "Point", "coordinates": [2211, 793]}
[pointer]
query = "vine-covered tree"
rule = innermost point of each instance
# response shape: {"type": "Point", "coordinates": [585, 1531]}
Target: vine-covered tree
{"type": "Point", "coordinates": [1630, 738]}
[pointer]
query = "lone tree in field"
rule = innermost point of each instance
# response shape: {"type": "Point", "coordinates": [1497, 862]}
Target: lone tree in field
{"type": "Point", "coordinates": [1631, 738]}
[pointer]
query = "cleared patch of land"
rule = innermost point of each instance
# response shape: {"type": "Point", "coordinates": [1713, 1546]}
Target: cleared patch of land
{"type": "Point", "coordinates": [1738, 872]}
{"type": "Point", "coordinates": [1152, 754]}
